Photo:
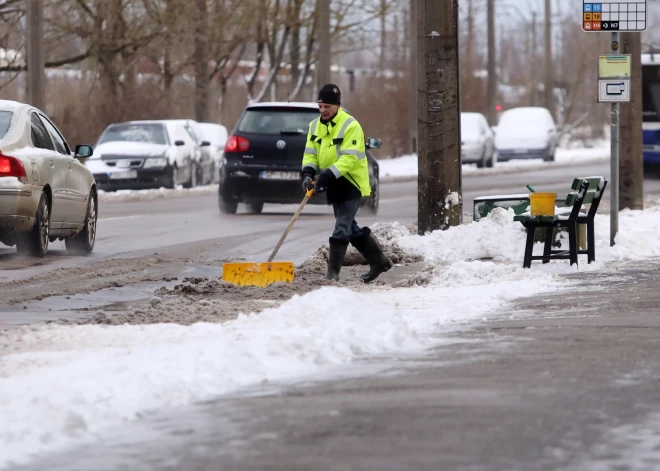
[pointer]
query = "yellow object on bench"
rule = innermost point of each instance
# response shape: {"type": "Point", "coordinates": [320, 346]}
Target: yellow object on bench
{"type": "Point", "coordinates": [542, 204]}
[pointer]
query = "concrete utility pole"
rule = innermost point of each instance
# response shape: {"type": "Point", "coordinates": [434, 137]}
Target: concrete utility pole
{"type": "Point", "coordinates": [631, 164]}
{"type": "Point", "coordinates": [492, 72]}
{"type": "Point", "coordinates": [202, 78]}
{"type": "Point", "coordinates": [413, 76]}
{"type": "Point", "coordinates": [35, 54]}
{"type": "Point", "coordinates": [324, 75]}
{"type": "Point", "coordinates": [438, 109]}
{"type": "Point", "coordinates": [549, 82]}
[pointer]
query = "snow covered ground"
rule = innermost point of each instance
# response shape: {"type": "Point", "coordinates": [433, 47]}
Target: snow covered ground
{"type": "Point", "coordinates": [65, 385]}
{"type": "Point", "coordinates": [406, 166]}
{"type": "Point", "coordinates": [161, 193]}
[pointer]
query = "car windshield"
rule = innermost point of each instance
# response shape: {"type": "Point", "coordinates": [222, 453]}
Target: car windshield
{"type": "Point", "coordinates": [5, 122]}
{"type": "Point", "coordinates": [528, 119]}
{"type": "Point", "coordinates": [151, 133]}
{"type": "Point", "coordinates": [274, 121]}
{"type": "Point", "coordinates": [470, 125]}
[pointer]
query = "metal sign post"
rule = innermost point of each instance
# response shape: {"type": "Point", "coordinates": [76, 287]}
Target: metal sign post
{"type": "Point", "coordinates": [614, 78]}
{"type": "Point", "coordinates": [614, 74]}
{"type": "Point", "coordinates": [614, 160]}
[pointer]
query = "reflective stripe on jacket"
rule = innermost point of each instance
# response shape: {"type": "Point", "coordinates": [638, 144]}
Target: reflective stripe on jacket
{"type": "Point", "coordinates": [339, 146]}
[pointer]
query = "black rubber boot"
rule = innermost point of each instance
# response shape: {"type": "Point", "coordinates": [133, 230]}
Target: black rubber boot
{"type": "Point", "coordinates": [336, 259]}
{"type": "Point", "coordinates": [368, 246]}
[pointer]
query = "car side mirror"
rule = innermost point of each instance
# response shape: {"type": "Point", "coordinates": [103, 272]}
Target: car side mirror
{"type": "Point", "coordinates": [83, 152]}
{"type": "Point", "coordinates": [374, 143]}
{"type": "Point", "coordinates": [205, 143]}
{"type": "Point", "coordinates": [179, 143]}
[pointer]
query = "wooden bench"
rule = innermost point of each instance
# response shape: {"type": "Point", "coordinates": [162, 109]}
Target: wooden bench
{"type": "Point", "coordinates": [588, 190]}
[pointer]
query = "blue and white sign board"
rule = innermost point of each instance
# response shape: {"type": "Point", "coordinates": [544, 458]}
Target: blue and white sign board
{"type": "Point", "coordinates": [613, 91]}
{"type": "Point", "coordinates": [613, 15]}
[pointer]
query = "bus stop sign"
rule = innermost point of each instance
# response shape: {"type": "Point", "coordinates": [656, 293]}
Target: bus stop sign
{"type": "Point", "coordinates": [614, 15]}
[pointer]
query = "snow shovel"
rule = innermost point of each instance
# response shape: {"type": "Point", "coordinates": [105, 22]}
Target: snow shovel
{"type": "Point", "coordinates": [264, 274]}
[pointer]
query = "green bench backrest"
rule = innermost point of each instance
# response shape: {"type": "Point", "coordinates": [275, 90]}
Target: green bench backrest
{"type": "Point", "coordinates": [595, 186]}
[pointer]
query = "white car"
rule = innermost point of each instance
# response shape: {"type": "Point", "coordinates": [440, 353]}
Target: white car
{"type": "Point", "coordinates": [46, 193]}
{"type": "Point", "coordinates": [203, 159]}
{"type": "Point", "coordinates": [217, 135]}
{"type": "Point", "coordinates": [477, 146]}
{"type": "Point", "coordinates": [144, 154]}
{"type": "Point", "coordinates": [526, 133]}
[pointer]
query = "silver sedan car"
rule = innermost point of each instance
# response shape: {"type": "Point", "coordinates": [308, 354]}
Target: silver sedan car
{"type": "Point", "coordinates": [46, 193]}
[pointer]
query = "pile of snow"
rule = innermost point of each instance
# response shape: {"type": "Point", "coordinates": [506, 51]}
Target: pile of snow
{"type": "Point", "coordinates": [406, 166]}
{"type": "Point", "coordinates": [161, 193]}
{"type": "Point", "coordinates": [388, 235]}
{"type": "Point", "coordinates": [64, 385]}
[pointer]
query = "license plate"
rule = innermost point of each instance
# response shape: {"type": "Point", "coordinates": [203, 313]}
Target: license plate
{"type": "Point", "coordinates": [521, 151]}
{"type": "Point", "coordinates": [123, 175]}
{"type": "Point", "coordinates": [273, 175]}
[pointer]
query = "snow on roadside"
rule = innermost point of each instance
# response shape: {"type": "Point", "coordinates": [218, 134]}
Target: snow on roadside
{"type": "Point", "coordinates": [161, 193]}
{"type": "Point", "coordinates": [64, 385]}
{"type": "Point", "coordinates": [406, 166]}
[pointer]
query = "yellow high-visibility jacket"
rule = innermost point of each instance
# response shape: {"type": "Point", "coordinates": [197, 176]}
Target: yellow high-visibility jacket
{"type": "Point", "coordinates": [338, 146]}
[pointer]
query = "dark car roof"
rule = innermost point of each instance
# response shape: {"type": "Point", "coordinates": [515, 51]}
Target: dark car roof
{"type": "Point", "coordinates": [284, 104]}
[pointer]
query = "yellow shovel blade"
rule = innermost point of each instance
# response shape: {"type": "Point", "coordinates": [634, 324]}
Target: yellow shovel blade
{"type": "Point", "coordinates": [258, 274]}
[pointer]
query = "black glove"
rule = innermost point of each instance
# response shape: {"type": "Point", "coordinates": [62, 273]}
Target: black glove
{"type": "Point", "coordinates": [322, 182]}
{"type": "Point", "coordinates": [307, 183]}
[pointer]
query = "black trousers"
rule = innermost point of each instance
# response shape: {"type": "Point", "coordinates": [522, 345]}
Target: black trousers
{"type": "Point", "coordinates": [346, 228]}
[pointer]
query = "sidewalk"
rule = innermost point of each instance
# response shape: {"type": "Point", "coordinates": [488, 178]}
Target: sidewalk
{"type": "Point", "coordinates": [566, 380]}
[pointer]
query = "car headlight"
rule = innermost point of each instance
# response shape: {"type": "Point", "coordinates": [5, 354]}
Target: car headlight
{"type": "Point", "coordinates": [159, 162]}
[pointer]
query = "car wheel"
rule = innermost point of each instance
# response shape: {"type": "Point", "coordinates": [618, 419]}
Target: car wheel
{"type": "Point", "coordinates": [491, 162]}
{"type": "Point", "coordinates": [374, 200]}
{"type": "Point", "coordinates": [550, 157]}
{"type": "Point", "coordinates": [85, 239]}
{"type": "Point", "coordinates": [174, 176]}
{"type": "Point", "coordinates": [227, 206]}
{"type": "Point", "coordinates": [201, 175]}
{"type": "Point", "coordinates": [256, 207]}
{"type": "Point", "coordinates": [482, 162]}
{"type": "Point", "coordinates": [35, 242]}
{"type": "Point", "coordinates": [192, 182]}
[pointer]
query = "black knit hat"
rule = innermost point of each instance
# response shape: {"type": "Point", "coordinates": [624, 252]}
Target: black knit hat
{"type": "Point", "coordinates": [330, 94]}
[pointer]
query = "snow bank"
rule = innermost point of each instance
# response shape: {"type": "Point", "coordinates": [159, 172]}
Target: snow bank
{"type": "Point", "coordinates": [161, 193]}
{"type": "Point", "coordinates": [64, 385]}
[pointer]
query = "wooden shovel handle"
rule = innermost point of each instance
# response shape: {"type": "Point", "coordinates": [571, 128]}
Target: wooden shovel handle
{"type": "Point", "coordinates": [308, 195]}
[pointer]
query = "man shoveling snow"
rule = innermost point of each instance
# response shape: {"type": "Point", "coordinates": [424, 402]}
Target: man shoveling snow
{"type": "Point", "coordinates": [335, 150]}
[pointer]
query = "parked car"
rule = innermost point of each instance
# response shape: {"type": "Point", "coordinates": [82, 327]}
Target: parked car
{"type": "Point", "coordinates": [477, 140]}
{"type": "Point", "coordinates": [526, 133]}
{"type": "Point", "coordinates": [46, 193]}
{"type": "Point", "coordinates": [143, 154]}
{"type": "Point", "coordinates": [204, 165]}
{"type": "Point", "coordinates": [263, 158]}
{"type": "Point", "coordinates": [216, 134]}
